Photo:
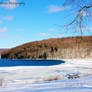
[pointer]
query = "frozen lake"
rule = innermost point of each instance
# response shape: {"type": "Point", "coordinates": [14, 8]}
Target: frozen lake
{"type": "Point", "coordinates": [21, 75]}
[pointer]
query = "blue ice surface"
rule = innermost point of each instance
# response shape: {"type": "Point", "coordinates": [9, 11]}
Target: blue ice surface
{"type": "Point", "coordinates": [10, 62]}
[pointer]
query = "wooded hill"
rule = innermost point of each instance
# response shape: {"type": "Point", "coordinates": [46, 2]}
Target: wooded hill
{"type": "Point", "coordinates": [56, 48]}
{"type": "Point", "coordinates": [3, 50]}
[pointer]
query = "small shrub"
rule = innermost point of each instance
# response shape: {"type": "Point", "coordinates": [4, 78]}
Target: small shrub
{"type": "Point", "coordinates": [52, 78]}
{"type": "Point", "coordinates": [72, 76]}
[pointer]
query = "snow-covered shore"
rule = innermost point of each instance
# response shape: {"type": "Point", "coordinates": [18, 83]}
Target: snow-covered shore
{"type": "Point", "coordinates": [33, 79]}
{"type": "Point", "coordinates": [74, 85]}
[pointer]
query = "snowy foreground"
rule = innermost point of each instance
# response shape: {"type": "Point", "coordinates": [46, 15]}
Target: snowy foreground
{"type": "Point", "coordinates": [75, 85]}
{"type": "Point", "coordinates": [37, 79]}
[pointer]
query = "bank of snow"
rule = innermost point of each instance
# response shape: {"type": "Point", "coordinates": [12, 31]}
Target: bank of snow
{"type": "Point", "coordinates": [75, 85]}
{"type": "Point", "coordinates": [33, 79]}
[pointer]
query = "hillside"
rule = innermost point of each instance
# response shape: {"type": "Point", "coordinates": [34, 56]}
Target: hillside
{"type": "Point", "coordinates": [3, 50]}
{"type": "Point", "coordinates": [57, 48]}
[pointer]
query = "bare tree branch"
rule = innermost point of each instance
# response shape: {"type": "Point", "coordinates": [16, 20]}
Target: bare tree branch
{"type": "Point", "coordinates": [84, 6]}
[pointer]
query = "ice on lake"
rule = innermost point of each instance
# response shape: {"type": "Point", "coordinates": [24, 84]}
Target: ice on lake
{"type": "Point", "coordinates": [24, 75]}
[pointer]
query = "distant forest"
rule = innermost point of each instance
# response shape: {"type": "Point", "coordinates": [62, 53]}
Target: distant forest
{"type": "Point", "coordinates": [56, 48]}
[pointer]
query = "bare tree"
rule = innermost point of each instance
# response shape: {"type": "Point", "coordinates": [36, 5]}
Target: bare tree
{"type": "Point", "coordinates": [82, 10]}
